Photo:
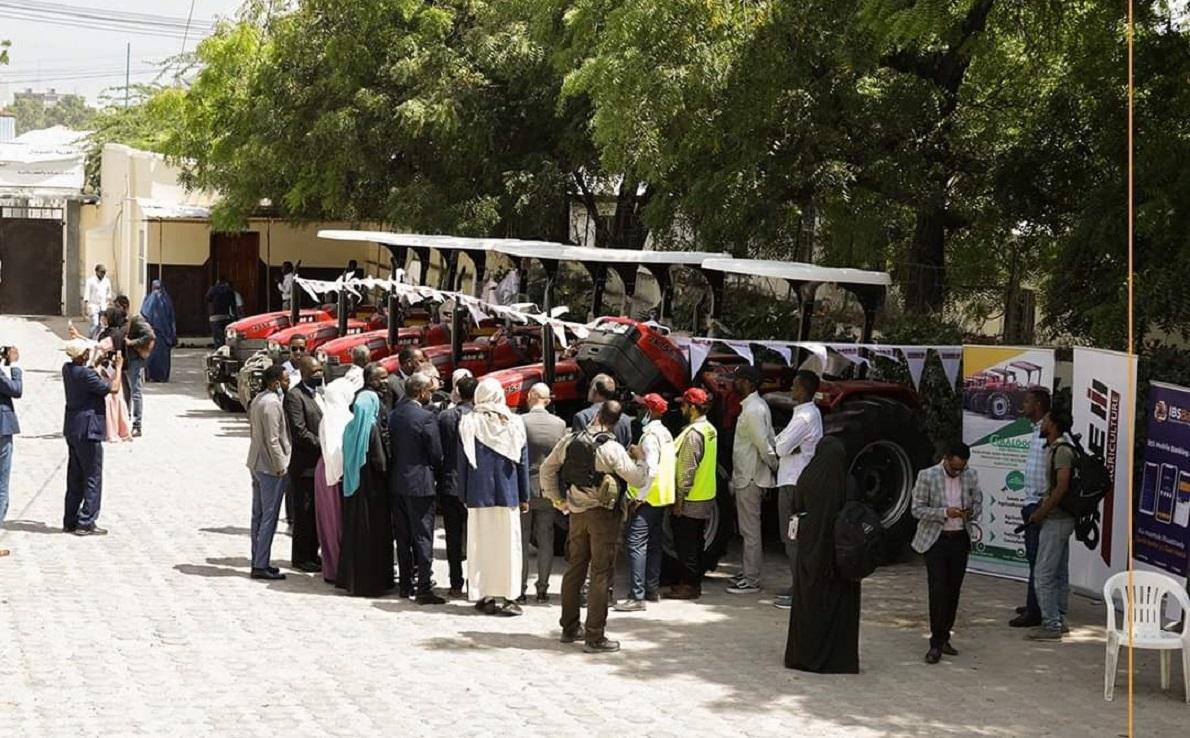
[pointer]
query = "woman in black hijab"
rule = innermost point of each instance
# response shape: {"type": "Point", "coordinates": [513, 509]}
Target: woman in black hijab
{"type": "Point", "coordinates": [824, 620]}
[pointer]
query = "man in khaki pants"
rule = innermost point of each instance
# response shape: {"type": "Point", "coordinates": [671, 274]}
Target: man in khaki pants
{"type": "Point", "coordinates": [754, 459]}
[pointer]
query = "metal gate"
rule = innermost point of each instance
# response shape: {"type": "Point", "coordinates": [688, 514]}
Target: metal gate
{"type": "Point", "coordinates": [31, 244]}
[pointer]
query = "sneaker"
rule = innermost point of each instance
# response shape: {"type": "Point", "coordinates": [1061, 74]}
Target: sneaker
{"type": "Point", "coordinates": [93, 530]}
{"type": "Point", "coordinates": [629, 605]}
{"type": "Point", "coordinates": [743, 588]}
{"type": "Point", "coordinates": [1044, 634]}
{"type": "Point", "coordinates": [572, 634]}
{"type": "Point", "coordinates": [785, 602]}
{"type": "Point", "coordinates": [603, 645]}
{"type": "Point", "coordinates": [735, 578]}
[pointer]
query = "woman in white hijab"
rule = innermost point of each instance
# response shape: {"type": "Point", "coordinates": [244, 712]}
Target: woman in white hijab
{"type": "Point", "coordinates": [328, 474]}
{"type": "Point", "coordinates": [494, 481]}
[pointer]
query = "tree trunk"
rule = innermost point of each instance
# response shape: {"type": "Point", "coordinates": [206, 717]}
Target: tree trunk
{"type": "Point", "coordinates": [925, 290]}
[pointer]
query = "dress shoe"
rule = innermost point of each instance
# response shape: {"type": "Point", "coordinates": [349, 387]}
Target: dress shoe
{"type": "Point", "coordinates": [69, 528]}
{"type": "Point", "coordinates": [603, 645]}
{"type": "Point", "coordinates": [652, 597]}
{"type": "Point", "coordinates": [629, 605]}
{"type": "Point", "coordinates": [933, 656]}
{"type": "Point", "coordinates": [1025, 620]}
{"type": "Point", "coordinates": [949, 650]}
{"type": "Point", "coordinates": [308, 566]}
{"type": "Point", "coordinates": [267, 575]}
{"type": "Point", "coordinates": [522, 600]}
{"type": "Point", "coordinates": [508, 610]}
{"type": "Point", "coordinates": [274, 570]}
{"type": "Point", "coordinates": [1021, 610]}
{"type": "Point", "coordinates": [570, 635]}
{"type": "Point", "coordinates": [684, 592]}
{"type": "Point", "coordinates": [543, 596]}
{"type": "Point", "coordinates": [405, 594]}
{"type": "Point", "coordinates": [90, 530]}
{"type": "Point", "coordinates": [429, 598]}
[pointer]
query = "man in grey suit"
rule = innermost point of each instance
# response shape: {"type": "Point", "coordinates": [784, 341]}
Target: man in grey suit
{"type": "Point", "coordinates": [268, 460]}
{"type": "Point", "coordinates": [946, 502]}
{"type": "Point", "coordinates": [543, 430]}
{"type": "Point", "coordinates": [11, 388]}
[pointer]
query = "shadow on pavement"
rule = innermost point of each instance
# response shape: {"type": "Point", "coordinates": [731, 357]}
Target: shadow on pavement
{"type": "Point", "coordinates": [227, 530]}
{"type": "Point", "coordinates": [473, 639]}
{"type": "Point", "coordinates": [31, 526]}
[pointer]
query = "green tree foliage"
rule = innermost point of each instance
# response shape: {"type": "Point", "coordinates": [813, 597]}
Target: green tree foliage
{"type": "Point", "coordinates": [32, 114]}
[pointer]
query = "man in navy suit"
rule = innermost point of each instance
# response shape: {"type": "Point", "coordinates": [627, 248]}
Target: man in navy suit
{"type": "Point", "coordinates": [416, 461]}
{"type": "Point", "coordinates": [85, 428]}
{"type": "Point", "coordinates": [11, 387]}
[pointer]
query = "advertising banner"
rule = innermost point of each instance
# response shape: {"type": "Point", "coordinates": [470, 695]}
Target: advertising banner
{"type": "Point", "coordinates": [1161, 534]}
{"type": "Point", "coordinates": [1103, 411]}
{"type": "Point", "coordinates": [995, 379]}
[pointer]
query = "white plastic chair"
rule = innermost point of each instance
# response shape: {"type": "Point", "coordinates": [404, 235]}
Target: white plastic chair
{"type": "Point", "coordinates": [1149, 590]}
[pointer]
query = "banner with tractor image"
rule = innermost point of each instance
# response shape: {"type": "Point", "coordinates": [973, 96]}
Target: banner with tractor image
{"type": "Point", "coordinates": [995, 380]}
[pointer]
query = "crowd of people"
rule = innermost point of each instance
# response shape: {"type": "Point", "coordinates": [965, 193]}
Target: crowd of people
{"type": "Point", "coordinates": [365, 465]}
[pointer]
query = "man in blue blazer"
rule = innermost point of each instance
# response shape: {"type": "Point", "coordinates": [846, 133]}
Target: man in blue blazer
{"type": "Point", "coordinates": [11, 387]}
{"type": "Point", "coordinates": [84, 429]}
{"type": "Point", "coordinates": [416, 453]}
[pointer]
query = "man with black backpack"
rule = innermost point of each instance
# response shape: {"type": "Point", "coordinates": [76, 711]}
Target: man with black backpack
{"type": "Point", "coordinates": [946, 502]}
{"type": "Point", "coordinates": [1051, 572]}
{"type": "Point", "coordinates": [586, 475]}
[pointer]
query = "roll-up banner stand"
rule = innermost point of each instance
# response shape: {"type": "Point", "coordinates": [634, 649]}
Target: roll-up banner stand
{"type": "Point", "coordinates": [995, 379]}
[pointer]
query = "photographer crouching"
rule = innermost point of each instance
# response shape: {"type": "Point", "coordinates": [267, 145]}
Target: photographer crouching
{"type": "Point", "coordinates": [11, 387]}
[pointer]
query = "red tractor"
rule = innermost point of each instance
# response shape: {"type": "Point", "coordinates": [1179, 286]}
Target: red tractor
{"type": "Point", "coordinates": [1006, 400]}
{"type": "Point", "coordinates": [879, 423]}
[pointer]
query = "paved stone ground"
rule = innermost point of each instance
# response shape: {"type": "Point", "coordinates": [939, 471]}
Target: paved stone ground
{"type": "Point", "coordinates": [156, 629]}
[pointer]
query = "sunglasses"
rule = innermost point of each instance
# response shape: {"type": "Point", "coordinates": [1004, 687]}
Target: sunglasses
{"type": "Point", "coordinates": [296, 349]}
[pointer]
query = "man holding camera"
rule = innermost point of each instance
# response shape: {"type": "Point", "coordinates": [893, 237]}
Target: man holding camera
{"type": "Point", "coordinates": [85, 429]}
{"type": "Point", "coordinates": [11, 387]}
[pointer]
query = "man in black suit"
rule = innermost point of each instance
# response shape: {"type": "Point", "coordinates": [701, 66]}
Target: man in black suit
{"type": "Point", "coordinates": [303, 410]}
{"type": "Point", "coordinates": [416, 453]}
{"type": "Point", "coordinates": [410, 360]}
{"type": "Point", "coordinates": [450, 497]}
{"type": "Point", "coordinates": [85, 428]}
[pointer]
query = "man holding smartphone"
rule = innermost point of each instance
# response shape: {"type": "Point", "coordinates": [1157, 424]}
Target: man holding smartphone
{"type": "Point", "coordinates": [946, 499]}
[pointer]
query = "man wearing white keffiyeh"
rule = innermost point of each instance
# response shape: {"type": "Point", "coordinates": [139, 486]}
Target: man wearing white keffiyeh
{"type": "Point", "coordinates": [493, 473]}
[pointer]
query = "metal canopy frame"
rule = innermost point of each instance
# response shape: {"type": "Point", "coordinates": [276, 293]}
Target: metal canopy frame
{"type": "Point", "coordinates": [869, 287]}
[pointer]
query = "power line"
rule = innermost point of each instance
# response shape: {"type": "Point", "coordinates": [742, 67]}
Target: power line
{"type": "Point", "coordinates": [104, 20]}
{"type": "Point", "coordinates": [79, 11]}
{"type": "Point", "coordinates": [186, 34]}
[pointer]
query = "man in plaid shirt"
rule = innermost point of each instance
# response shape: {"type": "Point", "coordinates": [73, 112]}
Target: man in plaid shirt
{"type": "Point", "coordinates": [1036, 406]}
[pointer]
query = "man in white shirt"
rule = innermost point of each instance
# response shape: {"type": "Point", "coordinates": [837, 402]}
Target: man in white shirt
{"type": "Point", "coordinates": [97, 297]}
{"type": "Point", "coordinates": [795, 446]}
{"type": "Point", "coordinates": [753, 458]}
{"type": "Point", "coordinates": [297, 351]}
{"type": "Point", "coordinates": [285, 286]}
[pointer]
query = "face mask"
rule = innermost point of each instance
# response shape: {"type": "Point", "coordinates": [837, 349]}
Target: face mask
{"type": "Point", "coordinates": [315, 381]}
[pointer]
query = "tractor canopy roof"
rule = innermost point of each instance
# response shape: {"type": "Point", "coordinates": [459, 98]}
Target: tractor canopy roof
{"type": "Point", "coordinates": [1027, 366]}
{"type": "Point", "coordinates": [799, 272]}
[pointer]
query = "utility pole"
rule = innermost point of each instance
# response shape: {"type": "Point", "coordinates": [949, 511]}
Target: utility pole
{"type": "Point", "coordinates": [127, 72]}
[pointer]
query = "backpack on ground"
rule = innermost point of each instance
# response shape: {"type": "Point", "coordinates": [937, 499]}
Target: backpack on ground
{"type": "Point", "coordinates": [859, 540]}
{"type": "Point", "coordinates": [578, 466]}
{"type": "Point", "coordinates": [1089, 484]}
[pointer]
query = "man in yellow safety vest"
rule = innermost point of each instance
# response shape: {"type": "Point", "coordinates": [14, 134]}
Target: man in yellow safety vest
{"type": "Point", "coordinates": [694, 499]}
{"type": "Point", "coordinates": [647, 504]}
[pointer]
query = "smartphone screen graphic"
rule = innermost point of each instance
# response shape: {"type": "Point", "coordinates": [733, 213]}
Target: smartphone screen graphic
{"type": "Point", "coordinates": [1181, 515]}
{"type": "Point", "coordinates": [1148, 488]}
{"type": "Point", "coordinates": [1167, 493]}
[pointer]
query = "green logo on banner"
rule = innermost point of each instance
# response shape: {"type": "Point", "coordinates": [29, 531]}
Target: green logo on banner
{"type": "Point", "coordinates": [1015, 480]}
{"type": "Point", "coordinates": [1012, 435]}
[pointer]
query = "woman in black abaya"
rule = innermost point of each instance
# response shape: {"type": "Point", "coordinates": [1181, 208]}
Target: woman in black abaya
{"type": "Point", "coordinates": [824, 620]}
{"type": "Point", "coordinates": [366, 548]}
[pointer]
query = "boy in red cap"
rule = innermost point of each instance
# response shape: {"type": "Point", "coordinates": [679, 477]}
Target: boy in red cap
{"type": "Point", "coordinates": [694, 499]}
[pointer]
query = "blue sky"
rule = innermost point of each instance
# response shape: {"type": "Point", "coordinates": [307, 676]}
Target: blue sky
{"type": "Point", "coordinates": [45, 54]}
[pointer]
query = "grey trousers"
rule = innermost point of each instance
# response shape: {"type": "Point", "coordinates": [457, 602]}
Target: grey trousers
{"type": "Point", "coordinates": [747, 508]}
{"type": "Point", "coordinates": [784, 513]}
{"type": "Point", "coordinates": [539, 522]}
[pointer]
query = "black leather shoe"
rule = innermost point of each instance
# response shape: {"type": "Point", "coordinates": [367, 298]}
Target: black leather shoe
{"type": "Point", "coordinates": [429, 598]}
{"type": "Point", "coordinates": [522, 600]}
{"type": "Point", "coordinates": [949, 650]}
{"type": "Point", "coordinates": [274, 570]}
{"type": "Point", "coordinates": [933, 656]}
{"type": "Point", "coordinates": [652, 597]}
{"type": "Point", "coordinates": [308, 566]}
{"type": "Point", "coordinates": [1024, 620]}
{"type": "Point", "coordinates": [603, 645]}
{"type": "Point", "coordinates": [571, 635]}
{"type": "Point", "coordinates": [267, 575]}
{"type": "Point", "coordinates": [543, 596]}
{"type": "Point", "coordinates": [1021, 610]}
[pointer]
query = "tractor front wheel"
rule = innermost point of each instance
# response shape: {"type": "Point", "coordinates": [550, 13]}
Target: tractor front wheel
{"type": "Point", "coordinates": [999, 406]}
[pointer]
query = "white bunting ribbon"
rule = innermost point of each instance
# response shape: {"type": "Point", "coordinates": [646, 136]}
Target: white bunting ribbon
{"type": "Point", "coordinates": [952, 360]}
{"type": "Point", "coordinates": [915, 358]}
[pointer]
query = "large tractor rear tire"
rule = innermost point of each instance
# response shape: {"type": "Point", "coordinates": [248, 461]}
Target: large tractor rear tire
{"type": "Point", "coordinates": [1000, 406]}
{"type": "Point", "coordinates": [887, 445]}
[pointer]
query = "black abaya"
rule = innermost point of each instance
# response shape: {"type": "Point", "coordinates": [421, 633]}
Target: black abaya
{"type": "Point", "coordinates": [366, 554]}
{"type": "Point", "coordinates": [824, 620]}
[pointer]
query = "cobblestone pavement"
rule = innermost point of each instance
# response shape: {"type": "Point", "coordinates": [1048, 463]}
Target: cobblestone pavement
{"type": "Point", "coordinates": [156, 629]}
